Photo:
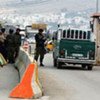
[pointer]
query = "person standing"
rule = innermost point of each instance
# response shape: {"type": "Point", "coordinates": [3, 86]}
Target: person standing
{"type": "Point", "coordinates": [2, 44]}
{"type": "Point", "coordinates": [17, 41]}
{"type": "Point", "coordinates": [40, 46]}
{"type": "Point", "coordinates": [10, 46]}
{"type": "Point", "coordinates": [3, 31]}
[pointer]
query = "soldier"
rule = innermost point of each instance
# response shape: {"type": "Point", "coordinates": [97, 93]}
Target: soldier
{"type": "Point", "coordinates": [3, 31]}
{"type": "Point", "coordinates": [17, 41]}
{"type": "Point", "coordinates": [10, 46]}
{"type": "Point", "coordinates": [40, 46]}
{"type": "Point", "coordinates": [2, 38]}
{"type": "Point", "coordinates": [2, 44]}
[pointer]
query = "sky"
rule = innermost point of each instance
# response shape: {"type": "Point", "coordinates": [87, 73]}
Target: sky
{"type": "Point", "coordinates": [45, 6]}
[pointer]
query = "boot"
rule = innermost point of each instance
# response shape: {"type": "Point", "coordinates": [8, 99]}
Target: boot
{"type": "Point", "coordinates": [41, 64]}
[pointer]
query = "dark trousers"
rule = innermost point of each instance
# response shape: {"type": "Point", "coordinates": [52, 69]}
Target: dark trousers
{"type": "Point", "coordinates": [10, 54]}
{"type": "Point", "coordinates": [17, 48]}
{"type": "Point", "coordinates": [39, 52]}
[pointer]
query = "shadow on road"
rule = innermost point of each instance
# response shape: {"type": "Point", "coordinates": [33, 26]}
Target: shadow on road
{"type": "Point", "coordinates": [72, 68]}
{"type": "Point", "coordinates": [65, 67]}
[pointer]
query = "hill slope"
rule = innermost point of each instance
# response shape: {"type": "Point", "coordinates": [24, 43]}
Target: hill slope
{"type": "Point", "coordinates": [72, 13]}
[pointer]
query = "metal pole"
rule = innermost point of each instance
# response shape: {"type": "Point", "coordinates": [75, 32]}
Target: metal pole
{"type": "Point", "coordinates": [97, 4]}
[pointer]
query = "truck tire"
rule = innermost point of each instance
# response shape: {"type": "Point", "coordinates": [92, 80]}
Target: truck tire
{"type": "Point", "coordinates": [59, 65]}
{"type": "Point", "coordinates": [83, 66]}
{"type": "Point", "coordinates": [55, 62]}
{"type": "Point", "coordinates": [90, 67]}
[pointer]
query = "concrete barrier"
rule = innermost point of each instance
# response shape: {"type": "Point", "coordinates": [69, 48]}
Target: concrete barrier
{"type": "Point", "coordinates": [29, 86]}
{"type": "Point", "coordinates": [2, 60]}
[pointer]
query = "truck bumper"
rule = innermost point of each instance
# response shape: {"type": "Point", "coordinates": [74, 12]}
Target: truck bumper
{"type": "Point", "coordinates": [76, 61]}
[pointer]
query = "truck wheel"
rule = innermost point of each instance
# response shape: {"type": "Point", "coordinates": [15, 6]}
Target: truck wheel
{"type": "Point", "coordinates": [90, 67]}
{"type": "Point", "coordinates": [55, 62]}
{"type": "Point", "coordinates": [59, 65]}
{"type": "Point", "coordinates": [83, 66]}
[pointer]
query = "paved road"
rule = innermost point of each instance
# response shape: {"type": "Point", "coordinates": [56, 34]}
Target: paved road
{"type": "Point", "coordinates": [71, 83]}
{"type": "Point", "coordinates": [8, 80]}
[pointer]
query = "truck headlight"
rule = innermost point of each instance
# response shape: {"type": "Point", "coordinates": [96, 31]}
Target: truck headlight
{"type": "Point", "coordinates": [91, 55]}
{"type": "Point", "coordinates": [62, 53]}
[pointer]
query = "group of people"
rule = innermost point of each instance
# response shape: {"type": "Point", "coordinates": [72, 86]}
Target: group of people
{"type": "Point", "coordinates": [10, 44]}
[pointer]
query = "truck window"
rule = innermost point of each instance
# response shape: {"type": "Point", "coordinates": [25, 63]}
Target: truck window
{"type": "Point", "coordinates": [64, 33]}
{"type": "Point", "coordinates": [76, 34]}
{"type": "Point", "coordinates": [88, 34]}
{"type": "Point", "coordinates": [84, 35]}
{"type": "Point", "coordinates": [80, 34]}
{"type": "Point", "coordinates": [72, 33]}
{"type": "Point", "coordinates": [68, 33]}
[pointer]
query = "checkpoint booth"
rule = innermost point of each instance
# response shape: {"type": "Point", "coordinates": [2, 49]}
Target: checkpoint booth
{"type": "Point", "coordinates": [96, 31]}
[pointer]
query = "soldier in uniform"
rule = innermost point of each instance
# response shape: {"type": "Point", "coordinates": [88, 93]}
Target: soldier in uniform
{"type": "Point", "coordinates": [3, 30]}
{"type": "Point", "coordinates": [2, 44]}
{"type": "Point", "coordinates": [40, 46]}
{"type": "Point", "coordinates": [17, 41]}
{"type": "Point", "coordinates": [10, 46]}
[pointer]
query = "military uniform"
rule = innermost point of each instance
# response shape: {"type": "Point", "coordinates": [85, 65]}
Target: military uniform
{"type": "Point", "coordinates": [2, 46]}
{"type": "Point", "coordinates": [40, 47]}
{"type": "Point", "coordinates": [10, 48]}
{"type": "Point", "coordinates": [17, 41]}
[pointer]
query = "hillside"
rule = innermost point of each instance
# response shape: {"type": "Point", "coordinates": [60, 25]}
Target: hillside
{"type": "Point", "coordinates": [74, 13]}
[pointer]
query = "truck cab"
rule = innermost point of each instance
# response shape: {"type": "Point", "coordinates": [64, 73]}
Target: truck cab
{"type": "Point", "coordinates": [74, 46]}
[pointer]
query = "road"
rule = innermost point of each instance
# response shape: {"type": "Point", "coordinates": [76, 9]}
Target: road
{"type": "Point", "coordinates": [8, 80]}
{"type": "Point", "coordinates": [71, 83]}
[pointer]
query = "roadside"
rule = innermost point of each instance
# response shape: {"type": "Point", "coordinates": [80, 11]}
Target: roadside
{"type": "Point", "coordinates": [69, 83]}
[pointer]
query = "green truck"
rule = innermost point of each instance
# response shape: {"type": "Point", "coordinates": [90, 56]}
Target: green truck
{"type": "Point", "coordinates": [74, 46]}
